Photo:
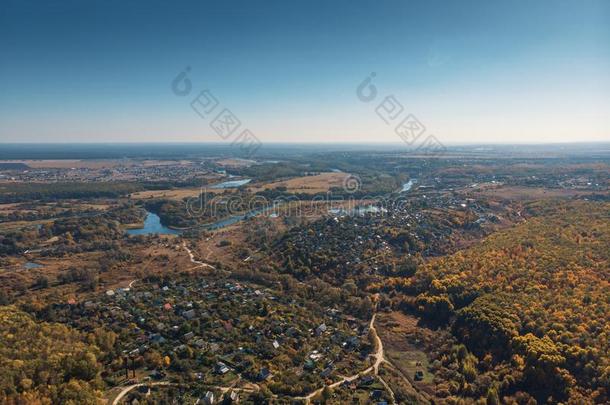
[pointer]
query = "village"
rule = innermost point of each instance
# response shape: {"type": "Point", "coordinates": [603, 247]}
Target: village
{"type": "Point", "coordinates": [105, 171]}
{"type": "Point", "coordinates": [215, 333]}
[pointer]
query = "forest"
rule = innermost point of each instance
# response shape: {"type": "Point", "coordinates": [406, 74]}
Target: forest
{"type": "Point", "coordinates": [44, 363]}
{"type": "Point", "coordinates": [535, 298]}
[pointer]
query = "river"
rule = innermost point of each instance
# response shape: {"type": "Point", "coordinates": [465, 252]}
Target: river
{"type": "Point", "coordinates": [152, 225]}
{"type": "Point", "coordinates": [234, 219]}
{"type": "Point", "coordinates": [408, 185]}
{"type": "Point", "coordinates": [232, 183]}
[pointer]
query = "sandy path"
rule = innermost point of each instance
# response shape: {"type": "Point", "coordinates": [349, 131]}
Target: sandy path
{"type": "Point", "coordinates": [128, 388]}
{"type": "Point", "coordinates": [379, 358]}
{"type": "Point", "coordinates": [192, 257]}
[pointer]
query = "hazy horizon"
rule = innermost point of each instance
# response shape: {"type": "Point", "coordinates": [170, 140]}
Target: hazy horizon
{"type": "Point", "coordinates": [472, 73]}
{"type": "Point", "coordinates": [296, 142]}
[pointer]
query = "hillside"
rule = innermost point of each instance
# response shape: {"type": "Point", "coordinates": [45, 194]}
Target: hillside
{"type": "Point", "coordinates": [535, 296]}
{"type": "Point", "coordinates": [45, 363]}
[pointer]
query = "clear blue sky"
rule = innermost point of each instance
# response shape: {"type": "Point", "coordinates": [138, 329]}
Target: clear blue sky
{"type": "Point", "coordinates": [471, 71]}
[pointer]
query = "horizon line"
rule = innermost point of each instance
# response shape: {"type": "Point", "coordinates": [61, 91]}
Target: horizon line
{"type": "Point", "coordinates": [304, 143]}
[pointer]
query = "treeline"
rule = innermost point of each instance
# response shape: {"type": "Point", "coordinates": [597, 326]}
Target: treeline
{"type": "Point", "coordinates": [26, 192]}
{"type": "Point", "coordinates": [13, 166]}
{"type": "Point", "coordinates": [42, 213]}
{"type": "Point", "coordinates": [51, 192]}
{"type": "Point", "coordinates": [272, 171]}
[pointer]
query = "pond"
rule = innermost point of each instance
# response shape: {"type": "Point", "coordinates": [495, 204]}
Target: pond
{"type": "Point", "coordinates": [152, 225]}
{"type": "Point", "coordinates": [32, 265]}
{"type": "Point", "coordinates": [231, 183]}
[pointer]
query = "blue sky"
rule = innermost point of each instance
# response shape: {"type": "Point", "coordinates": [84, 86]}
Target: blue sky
{"type": "Point", "coordinates": [471, 71]}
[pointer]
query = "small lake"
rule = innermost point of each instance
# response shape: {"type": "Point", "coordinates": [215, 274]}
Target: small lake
{"type": "Point", "coordinates": [32, 265]}
{"type": "Point", "coordinates": [232, 183]}
{"type": "Point", "coordinates": [152, 225]}
{"type": "Point", "coordinates": [408, 185]}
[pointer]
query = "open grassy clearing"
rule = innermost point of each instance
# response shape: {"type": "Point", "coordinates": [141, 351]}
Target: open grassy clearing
{"type": "Point", "coordinates": [398, 332]}
{"type": "Point", "coordinates": [174, 194]}
{"type": "Point", "coordinates": [307, 184]}
{"type": "Point", "coordinates": [522, 193]}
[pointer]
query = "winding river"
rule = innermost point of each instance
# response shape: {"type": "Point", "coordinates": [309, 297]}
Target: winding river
{"type": "Point", "coordinates": [408, 185]}
{"type": "Point", "coordinates": [152, 225]}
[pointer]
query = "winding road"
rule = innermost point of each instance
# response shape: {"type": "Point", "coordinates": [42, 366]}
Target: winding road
{"type": "Point", "coordinates": [379, 358]}
{"type": "Point", "coordinates": [193, 260]}
{"type": "Point", "coordinates": [128, 388]}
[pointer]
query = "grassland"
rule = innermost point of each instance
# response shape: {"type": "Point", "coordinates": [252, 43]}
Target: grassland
{"type": "Point", "coordinates": [319, 183]}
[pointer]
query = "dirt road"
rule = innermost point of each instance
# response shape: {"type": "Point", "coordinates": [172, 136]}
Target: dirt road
{"type": "Point", "coordinates": [128, 388]}
{"type": "Point", "coordinates": [192, 257]}
{"type": "Point", "coordinates": [379, 358]}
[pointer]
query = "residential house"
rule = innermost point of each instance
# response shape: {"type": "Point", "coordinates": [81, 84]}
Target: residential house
{"type": "Point", "coordinates": [208, 399]}
{"type": "Point", "coordinates": [221, 368]}
{"type": "Point", "coordinates": [376, 394]}
{"type": "Point", "coordinates": [233, 397]}
{"type": "Point", "coordinates": [326, 372]}
{"type": "Point", "coordinates": [367, 380]}
{"type": "Point", "coordinates": [264, 374]}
